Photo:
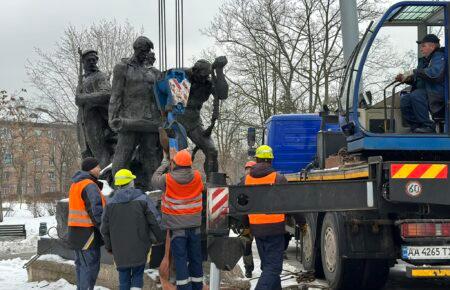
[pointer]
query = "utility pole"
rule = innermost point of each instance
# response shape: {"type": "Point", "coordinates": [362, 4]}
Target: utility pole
{"type": "Point", "coordinates": [349, 26]}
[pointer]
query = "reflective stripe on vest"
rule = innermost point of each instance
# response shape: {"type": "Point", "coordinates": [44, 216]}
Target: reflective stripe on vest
{"type": "Point", "coordinates": [256, 219]}
{"type": "Point", "coordinates": [78, 216]}
{"type": "Point", "coordinates": [182, 199]}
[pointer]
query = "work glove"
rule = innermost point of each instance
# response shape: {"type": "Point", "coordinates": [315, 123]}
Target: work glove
{"type": "Point", "coordinates": [405, 76]}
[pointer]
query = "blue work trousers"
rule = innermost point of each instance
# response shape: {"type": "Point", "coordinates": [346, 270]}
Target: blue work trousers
{"type": "Point", "coordinates": [87, 264]}
{"type": "Point", "coordinates": [187, 253]}
{"type": "Point", "coordinates": [414, 107]}
{"type": "Point", "coordinates": [270, 250]}
{"type": "Point", "coordinates": [131, 277]}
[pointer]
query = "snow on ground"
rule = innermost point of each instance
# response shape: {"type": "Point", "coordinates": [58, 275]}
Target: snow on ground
{"type": "Point", "coordinates": [13, 276]}
{"type": "Point", "coordinates": [21, 215]}
{"type": "Point", "coordinates": [287, 278]}
{"type": "Point", "coordinates": [56, 258]}
{"type": "Point", "coordinates": [290, 267]}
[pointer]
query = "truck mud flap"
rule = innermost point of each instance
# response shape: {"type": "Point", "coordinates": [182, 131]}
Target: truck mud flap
{"type": "Point", "coordinates": [218, 246]}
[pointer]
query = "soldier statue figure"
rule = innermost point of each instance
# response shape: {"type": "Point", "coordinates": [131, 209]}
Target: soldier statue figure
{"type": "Point", "coordinates": [133, 113]}
{"type": "Point", "coordinates": [92, 98]}
{"type": "Point", "coordinates": [205, 79]}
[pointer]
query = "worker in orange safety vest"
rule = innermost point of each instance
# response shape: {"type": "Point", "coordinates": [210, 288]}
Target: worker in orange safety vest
{"type": "Point", "coordinates": [181, 206]}
{"type": "Point", "coordinates": [86, 204]}
{"type": "Point", "coordinates": [268, 229]}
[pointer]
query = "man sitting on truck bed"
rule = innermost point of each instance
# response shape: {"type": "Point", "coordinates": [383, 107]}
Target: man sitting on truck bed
{"type": "Point", "coordinates": [427, 92]}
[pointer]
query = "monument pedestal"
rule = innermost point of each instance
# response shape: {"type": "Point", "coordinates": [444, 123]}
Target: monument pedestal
{"type": "Point", "coordinates": [59, 246]}
{"type": "Point", "coordinates": [51, 270]}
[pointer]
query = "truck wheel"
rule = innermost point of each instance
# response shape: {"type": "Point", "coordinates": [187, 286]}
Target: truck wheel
{"type": "Point", "coordinates": [340, 273]}
{"type": "Point", "coordinates": [310, 255]}
{"type": "Point", "coordinates": [376, 273]}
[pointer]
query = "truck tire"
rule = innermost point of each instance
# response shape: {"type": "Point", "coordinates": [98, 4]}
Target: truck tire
{"type": "Point", "coordinates": [376, 273]}
{"type": "Point", "coordinates": [341, 274]}
{"type": "Point", "coordinates": [311, 260]}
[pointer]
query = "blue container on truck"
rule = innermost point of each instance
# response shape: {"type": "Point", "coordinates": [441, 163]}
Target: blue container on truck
{"type": "Point", "coordinates": [293, 138]}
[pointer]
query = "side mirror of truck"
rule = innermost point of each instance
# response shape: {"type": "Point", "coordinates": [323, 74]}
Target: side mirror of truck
{"type": "Point", "coordinates": [251, 137]}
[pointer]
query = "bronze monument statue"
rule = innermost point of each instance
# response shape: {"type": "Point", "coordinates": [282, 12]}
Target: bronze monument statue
{"type": "Point", "coordinates": [206, 80]}
{"type": "Point", "coordinates": [92, 98]}
{"type": "Point", "coordinates": [134, 115]}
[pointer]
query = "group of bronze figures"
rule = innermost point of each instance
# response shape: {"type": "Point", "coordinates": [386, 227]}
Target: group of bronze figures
{"type": "Point", "coordinates": [119, 123]}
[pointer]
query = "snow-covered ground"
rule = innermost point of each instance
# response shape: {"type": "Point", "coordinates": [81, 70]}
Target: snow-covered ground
{"type": "Point", "coordinates": [20, 214]}
{"type": "Point", "coordinates": [14, 277]}
{"type": "Point", "coordinates": [12, 274]}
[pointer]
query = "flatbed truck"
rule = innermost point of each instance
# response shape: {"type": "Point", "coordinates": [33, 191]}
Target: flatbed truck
{"type": "Point", "coordinates": [375, 193]}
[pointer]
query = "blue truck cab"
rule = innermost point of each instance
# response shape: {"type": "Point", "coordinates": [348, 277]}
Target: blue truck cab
{"type": "Point", "coordinates": [294, 139]}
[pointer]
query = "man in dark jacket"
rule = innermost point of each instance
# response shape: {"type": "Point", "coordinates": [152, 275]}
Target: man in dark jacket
{"type": "Point", "coordinates": [246, 236]}
{"type": "Point", "coordinates": [85, 214]}
{"type": "Point", "coordinates": [130, 226]}
{"type": "Point", "coordinates": [427, 82]}
{"type": "Point", "coordinates": [268, 229]}
{"type": "Point", "coordinates": [181, 206]}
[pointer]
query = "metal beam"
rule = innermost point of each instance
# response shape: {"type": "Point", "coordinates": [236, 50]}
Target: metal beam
{"type": "Point", "coordinates": [303, 197]}
{"type": "Point", "coordinates": [349, 26]}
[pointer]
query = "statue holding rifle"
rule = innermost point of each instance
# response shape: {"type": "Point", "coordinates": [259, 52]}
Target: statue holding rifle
{"type": "Point", "coordinates": [92, 98]}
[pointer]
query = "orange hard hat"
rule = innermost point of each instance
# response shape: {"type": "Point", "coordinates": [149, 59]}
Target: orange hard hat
{"type": "Point", "coordinates": [183, 158]}
{"type": "Point", "coordinates": [250, 164]}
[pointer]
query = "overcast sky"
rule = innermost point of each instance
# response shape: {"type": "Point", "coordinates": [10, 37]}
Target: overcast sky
{"type": "Point", "coordinates": [26, 24]}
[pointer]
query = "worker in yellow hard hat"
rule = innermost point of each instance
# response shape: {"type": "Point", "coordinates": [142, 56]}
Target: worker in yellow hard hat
{"type": "Point", "coordinates": [124, 177]}
{"type": "Point", "coordinates": [128, 216]}
{"type": "Point", "coordinates": [268, 229]}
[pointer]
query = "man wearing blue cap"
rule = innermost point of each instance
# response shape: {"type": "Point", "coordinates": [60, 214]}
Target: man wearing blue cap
{"type": "Point", "coordinates": [427, 94]}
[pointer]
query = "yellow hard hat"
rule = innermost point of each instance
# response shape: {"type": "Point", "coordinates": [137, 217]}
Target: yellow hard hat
{"type": "Point", "coordinates": [123, 177]}
{"type": "Point", "coordinates": [264, 152]}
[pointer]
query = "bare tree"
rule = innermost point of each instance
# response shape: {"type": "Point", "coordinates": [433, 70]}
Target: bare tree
{"type": "Point", "coordinates": [286, 57]}
{"type": "Point", "coordinates": [229, 135]}
{"type": "Point", "coordinates": [287, 54]}
{"type": "Point", "coordinates": [64, 155]}
{"type": "Point", "coordinates": [23, 144]}
{"type": "Point", "coordinates": [54, 74]}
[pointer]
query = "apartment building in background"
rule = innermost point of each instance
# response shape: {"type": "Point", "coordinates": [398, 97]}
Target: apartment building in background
{"type": "Point", "coordinates": [37, 157]}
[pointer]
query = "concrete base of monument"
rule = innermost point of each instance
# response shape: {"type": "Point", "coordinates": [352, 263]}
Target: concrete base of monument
{"type": "Point", "coordinates": [53, 268]}
{"type": "Point", "coordinates": [50, 268]}
{"type": "Point", "coordinates": [60, 248]}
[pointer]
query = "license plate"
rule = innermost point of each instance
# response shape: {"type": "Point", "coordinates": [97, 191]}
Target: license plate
{"type": "Point", "coordinates": [425, 253]}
